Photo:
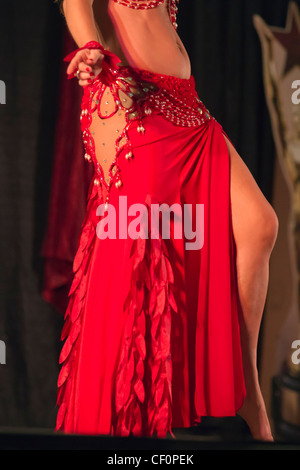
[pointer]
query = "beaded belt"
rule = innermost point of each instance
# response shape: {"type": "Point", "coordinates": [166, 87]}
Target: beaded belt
{"type": "Point", "coordinates": [144, 93]}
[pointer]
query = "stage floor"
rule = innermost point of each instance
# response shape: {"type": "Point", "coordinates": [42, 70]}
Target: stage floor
{"type": "Point", "coordinates": [215, 434]}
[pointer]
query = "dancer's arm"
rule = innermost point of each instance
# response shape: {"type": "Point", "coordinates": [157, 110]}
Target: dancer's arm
{"type": "Point", "coordinates": [81, 23]}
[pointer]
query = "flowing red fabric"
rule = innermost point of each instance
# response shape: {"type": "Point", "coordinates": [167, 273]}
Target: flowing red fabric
{"type": "Point", "coordinates": [152, 328]}
{"type": "Point", "coordinates": [69, 188]}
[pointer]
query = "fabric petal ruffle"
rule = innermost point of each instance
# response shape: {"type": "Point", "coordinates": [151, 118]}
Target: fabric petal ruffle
{"type": "Point", "coordinates": [138, 409]}
{"type": "Point", "coordinates": [73, 316]}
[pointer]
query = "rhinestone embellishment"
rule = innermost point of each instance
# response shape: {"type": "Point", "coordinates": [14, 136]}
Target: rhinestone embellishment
{"type": "Point", "coordinates": [134, 95]}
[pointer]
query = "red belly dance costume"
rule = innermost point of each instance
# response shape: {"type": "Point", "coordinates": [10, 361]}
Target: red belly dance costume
{"type": "Point", "coordinates": [152, 327]}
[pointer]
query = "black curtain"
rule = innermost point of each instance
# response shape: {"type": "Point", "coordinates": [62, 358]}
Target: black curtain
{"type": "Point", "coordinates": [226, 59]}
{"type": "Point", "coordinates": [30, 41]}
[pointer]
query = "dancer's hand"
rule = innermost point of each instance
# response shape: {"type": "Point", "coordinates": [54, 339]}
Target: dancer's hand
{"type": "Point", "coordinates": [89, 64]}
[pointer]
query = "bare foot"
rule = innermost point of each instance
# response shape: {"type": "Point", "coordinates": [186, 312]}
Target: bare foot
{"type": "Point", "coordinates": [254, 413]}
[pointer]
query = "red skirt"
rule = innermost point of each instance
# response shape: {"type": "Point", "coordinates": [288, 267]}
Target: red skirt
{"type": "Point", "coordinates": [151, 332]}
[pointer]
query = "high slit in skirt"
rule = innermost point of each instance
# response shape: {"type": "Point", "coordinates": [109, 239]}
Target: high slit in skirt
{"type": "Point", "coordinates": [151, 333]}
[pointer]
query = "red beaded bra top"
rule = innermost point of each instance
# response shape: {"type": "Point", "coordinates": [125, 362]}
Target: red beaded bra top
{"type": "Point", "coordinates": [147, 4]}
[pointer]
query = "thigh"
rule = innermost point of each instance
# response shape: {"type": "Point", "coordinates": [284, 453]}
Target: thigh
{"type": "Point", "coordinates": [252, 214]}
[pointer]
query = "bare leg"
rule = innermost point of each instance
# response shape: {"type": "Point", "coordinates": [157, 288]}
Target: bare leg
{"type": "Point", "coordinates": [255, 228]}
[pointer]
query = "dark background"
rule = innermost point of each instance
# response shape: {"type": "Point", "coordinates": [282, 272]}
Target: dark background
{"type": "Point", "coordinates": [227, 64]}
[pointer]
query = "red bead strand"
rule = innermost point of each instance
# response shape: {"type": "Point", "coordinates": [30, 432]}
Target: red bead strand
{"type": "Point", "coordinates": [142, 5]}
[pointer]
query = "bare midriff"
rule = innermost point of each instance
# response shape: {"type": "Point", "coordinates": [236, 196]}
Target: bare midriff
{"type": "Point", "coordinates": [144, 39]}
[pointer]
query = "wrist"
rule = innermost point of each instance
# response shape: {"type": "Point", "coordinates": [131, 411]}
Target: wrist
{"type": "Point", "coordinates": [110, 60]}
{"type": "Point", "coordinates": [88, 45]}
